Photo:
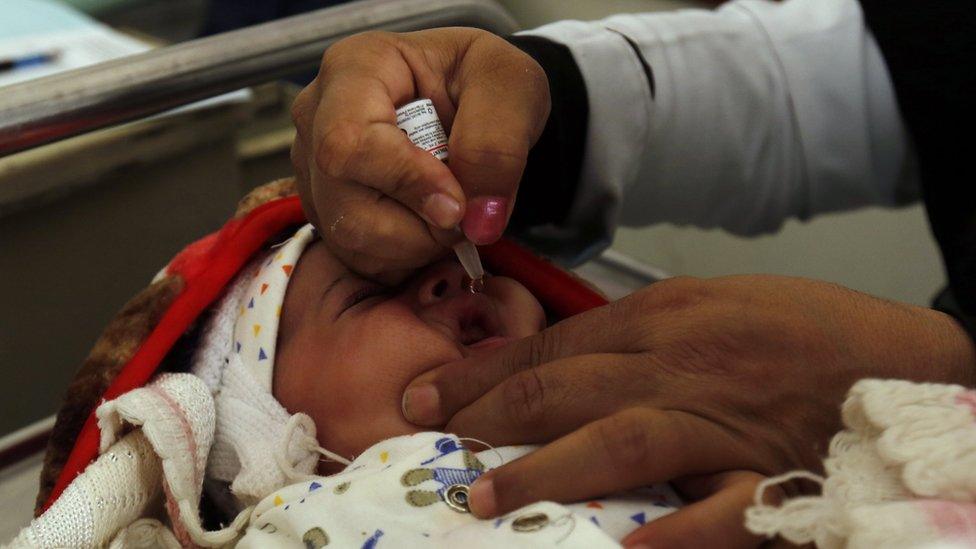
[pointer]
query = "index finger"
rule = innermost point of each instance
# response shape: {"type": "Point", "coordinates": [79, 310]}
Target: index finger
{"type": "Point", "coordinates": [632, 448]}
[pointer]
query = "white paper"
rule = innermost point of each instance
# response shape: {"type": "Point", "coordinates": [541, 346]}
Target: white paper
{"type": "Point", "coordinates": [31, 27]}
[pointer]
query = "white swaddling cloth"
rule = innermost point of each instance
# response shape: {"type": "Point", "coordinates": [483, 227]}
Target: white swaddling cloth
{"type": "Point", "coordinates": [393, 495]}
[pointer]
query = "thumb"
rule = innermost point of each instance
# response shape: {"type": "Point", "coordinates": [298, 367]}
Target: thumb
{"type": "Point", "coordinates": [503, 104]}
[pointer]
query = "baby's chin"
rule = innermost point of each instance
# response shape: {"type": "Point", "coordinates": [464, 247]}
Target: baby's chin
{"type": "Point", "coordinates": [379, 430]}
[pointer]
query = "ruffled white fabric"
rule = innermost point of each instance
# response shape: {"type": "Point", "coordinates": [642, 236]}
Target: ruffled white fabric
{"type": "Point", "coordinates": [176, 415]}
{"type": "Point", "coordinates": [111, 493]}
{"type": "Point", "coordinates": [162, 463]}
{"type": "Point", "coordinates": [903, 473]}
{"type": "Point", "coordinates": [165, 455]}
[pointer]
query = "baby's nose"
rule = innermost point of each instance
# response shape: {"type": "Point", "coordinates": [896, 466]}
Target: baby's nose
{"type": "Point", "coordinates": [441, 282]}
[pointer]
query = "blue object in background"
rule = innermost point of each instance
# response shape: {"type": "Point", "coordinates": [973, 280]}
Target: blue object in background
{"type": "Point", "coordinates": [27, 61]}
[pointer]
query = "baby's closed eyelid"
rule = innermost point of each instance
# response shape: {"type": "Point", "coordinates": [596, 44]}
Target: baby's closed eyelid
{"type": "Point", "coordinates": [369, 290]}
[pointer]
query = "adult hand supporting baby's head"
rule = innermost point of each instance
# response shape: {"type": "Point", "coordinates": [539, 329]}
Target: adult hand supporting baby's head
{"type": "Point", "coordinates": [383, 205]}
{"type": "Point", "coordinates": [715, 383]}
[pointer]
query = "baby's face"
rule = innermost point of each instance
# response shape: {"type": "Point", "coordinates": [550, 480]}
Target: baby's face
{"type": "Point", "coordinates": [347, 347]}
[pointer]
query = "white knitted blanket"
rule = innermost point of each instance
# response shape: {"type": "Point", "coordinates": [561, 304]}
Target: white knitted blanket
{"type": "Point", "coordinates": [159, 465]}
{"type": "Point", "coordinates": [902, 474]}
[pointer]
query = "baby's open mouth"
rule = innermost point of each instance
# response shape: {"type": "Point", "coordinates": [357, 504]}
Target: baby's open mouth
{"type": "Point", "coordinates": [468, 319]}
{"type": "Point", "coordinates": [474, 327]}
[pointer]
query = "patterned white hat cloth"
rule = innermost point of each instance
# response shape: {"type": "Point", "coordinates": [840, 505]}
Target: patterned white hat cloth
{"type": "Point", "coordinates": [256, 329]}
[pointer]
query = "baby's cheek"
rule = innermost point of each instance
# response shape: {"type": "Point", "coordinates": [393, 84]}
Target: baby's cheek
{"type": "Point", "coordinates": [519, 312]}
{"type": "Point", "coordinates": [371, 368]}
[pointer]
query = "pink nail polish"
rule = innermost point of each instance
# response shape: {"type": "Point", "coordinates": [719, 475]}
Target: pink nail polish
{"type": "Point", "coordinates": [485, 218]}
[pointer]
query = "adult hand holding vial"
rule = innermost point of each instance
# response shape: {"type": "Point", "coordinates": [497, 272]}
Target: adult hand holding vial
{"type": "Point", "coordinates": [384, 206]}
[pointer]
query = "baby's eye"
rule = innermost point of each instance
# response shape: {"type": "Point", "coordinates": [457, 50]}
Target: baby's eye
{"type": "Point", "coordinates": [363, 294]}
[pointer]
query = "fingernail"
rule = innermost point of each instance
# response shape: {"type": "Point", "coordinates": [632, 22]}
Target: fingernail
{"type": "Point", "coordinates": [442, 210]}
{"type": "Point", "coordinates": [485, 219]}
{"type": "Point", "coordinates": [421, 405]}
{"type": "Point", "coordinates": [481, 498]}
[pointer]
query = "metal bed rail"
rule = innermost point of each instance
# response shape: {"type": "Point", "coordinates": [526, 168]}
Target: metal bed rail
{"type": "Point", "coordinates": [62, 105]}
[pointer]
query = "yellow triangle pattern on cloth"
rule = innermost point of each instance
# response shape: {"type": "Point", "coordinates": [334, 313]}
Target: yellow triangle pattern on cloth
{"type": "Point", "coordinates": [260, 305]}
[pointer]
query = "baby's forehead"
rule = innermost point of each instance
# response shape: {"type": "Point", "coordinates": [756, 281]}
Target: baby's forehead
{"type": "Point", "coordinates": [317, 268]}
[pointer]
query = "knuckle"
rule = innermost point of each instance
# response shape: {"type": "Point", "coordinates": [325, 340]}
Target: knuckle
{"type": "Point", "coordinates": [372, 38]}
{"type": "Point", "coordinates": [397, 173]}
{"type": "Point", "coordinates": [674, 294]}
{"type": "Point", "coordinates": [534, 74]}
{"type": "Point", "coordinates": [338, 149]}
{"type": "Point", "coordinates": [490, 151]}
{"type": "Point", "coordinates": [524, 395]}
{"type": "Point", "coordinates": [387, 228]}
{"type": "Point", "coordinates": [349, 231]}
{"type": "Point", "coordinates": [534, 350]}
{"type": "Point", "coordinates": [624, 439]}
{"type": "Point", "coordinates": [353, 47]}
{"type": "Point", "coordinates": [300, 106]}
{"type": "Point", "coordinates": [297, 157]}
{"type": "Point", "coordinates": [531, 76]}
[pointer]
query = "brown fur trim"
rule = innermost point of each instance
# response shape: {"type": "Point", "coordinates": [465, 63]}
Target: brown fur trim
{"type": "Point", "coordinates": [116, 346]}
{"type": "Point", "coordinates": [279, 188]}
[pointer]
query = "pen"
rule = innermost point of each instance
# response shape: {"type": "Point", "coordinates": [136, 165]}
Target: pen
{"type": "Point", "coordinates": [32, 60]}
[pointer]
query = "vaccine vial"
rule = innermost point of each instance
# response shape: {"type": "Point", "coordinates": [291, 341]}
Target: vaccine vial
{"type": "Point", "coordinates": [419, 121]}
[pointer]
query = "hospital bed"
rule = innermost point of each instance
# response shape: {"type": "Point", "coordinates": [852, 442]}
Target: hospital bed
{"type": "Point", "coordinates": [46, 111]}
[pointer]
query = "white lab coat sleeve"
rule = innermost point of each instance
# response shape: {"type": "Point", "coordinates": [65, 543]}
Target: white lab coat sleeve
{"type": "Point", "coordinates": [756, 112]}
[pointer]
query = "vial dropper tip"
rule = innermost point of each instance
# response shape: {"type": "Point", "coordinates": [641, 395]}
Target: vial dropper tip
{"type": "Point", "coordinates": [476, 285]}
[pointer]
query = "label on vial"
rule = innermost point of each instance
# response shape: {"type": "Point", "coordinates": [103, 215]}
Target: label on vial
{"type": "Point", "coordinates": [420, 122]}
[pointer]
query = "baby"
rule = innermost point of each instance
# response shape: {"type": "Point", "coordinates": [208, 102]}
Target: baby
{"type": "Point", "coordinates": [339, 330]}
{"type": "Point", "coordinates": [320, 359]}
